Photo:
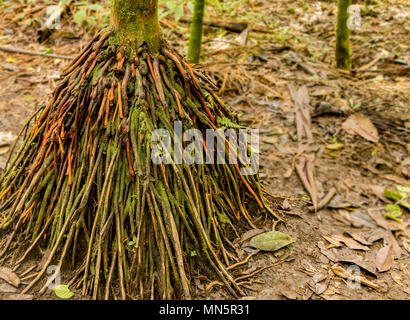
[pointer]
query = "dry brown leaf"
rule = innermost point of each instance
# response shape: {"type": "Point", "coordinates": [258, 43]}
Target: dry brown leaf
{"type": "Point", "coordinates": [384, 259]}
{"type": "Point", "coordinates": [397, 278]}
{"type": "Point", "coordinates": [330, 291]}
{"type": "Point", "coordinates": [361, 125]}
{"type": "Point", "coordinates": [289, 294]}
{"type": "Point", "coordinates": [343, 273]}
{"type": "Point", "coordinates": [44, 259]}
{"type": "Point", "coordinates": [358, 238]}
{"type": "Point", "coordinates": [350, 243]}
{"type": "Point", "coordinates": [4, 149]}
{"type": "Point", "coordinates": [375, 235]}
{"type": "Point", "coordinates": [323, 90]}
{"type": "Point", "coordinates": [396, 179]}
{"type": "Point", "coordinates": [305, 169]}
{"type": "Point", "coordinates": [361, 264]}
{"type": "Point", "coordinates": [327, 253]}
{"type": "Point", "coordinates": [334, 242]}
{"type": "Point", "coordinates": [379, 192]}
{"type": "Point", "coordinates": [382, 222]}
{"type": "Point", "coordinates": [250, 234]}
{"type": "Point", "coordinates": [391, 240]}
{"type": "Point", "coordinates": [406, 244]}
{"type": "Point", "coordinates": [381, 55]}
{"type": "Point", "coordinates": [305, 166]}
{"type": "Point", "coordinates": [320, 288]}
{"type": "Point", "coordinates": [344, 217]}
{"type": "Point", "coordinates": [9, 276]}
{"type": "Point", "coordinates": [6, 288]}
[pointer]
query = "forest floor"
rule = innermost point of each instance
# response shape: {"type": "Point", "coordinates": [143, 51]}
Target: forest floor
{"type": "Point", "coordinates": [279, 75]}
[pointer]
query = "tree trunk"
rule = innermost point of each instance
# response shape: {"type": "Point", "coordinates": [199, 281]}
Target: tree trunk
{"type": "Point", "coordinates": [136, 22]}
{"type": "Point", "coordinates": [343, 50]}
{"type": "Point", "coordinates": [195, 40]}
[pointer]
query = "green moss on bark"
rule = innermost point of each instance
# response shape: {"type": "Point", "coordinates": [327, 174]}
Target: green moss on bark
{"type": "Point", "coordinates": [136, 22]}
{"type": "Point", "coordinates": [343, 50]}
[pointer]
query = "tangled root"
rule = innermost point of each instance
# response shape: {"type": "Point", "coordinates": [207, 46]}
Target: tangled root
{"type": "Point", "coordinates": [84, 187]}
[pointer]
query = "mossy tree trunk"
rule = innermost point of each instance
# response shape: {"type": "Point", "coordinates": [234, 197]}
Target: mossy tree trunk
{"type": "Point", "coordinates": [343, 50]}
{"type": "Point", "coordinates": [195, 39]}
{"type": "Point", "coordinates": [135, 22]}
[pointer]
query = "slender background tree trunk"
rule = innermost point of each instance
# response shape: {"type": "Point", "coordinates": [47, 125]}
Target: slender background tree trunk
{"type": "Point", "coordinates": [136, 22]}
{"type": "Point", "coordinates": [343, 50]}
{"type": "Point", "coordinates": [195, 40]}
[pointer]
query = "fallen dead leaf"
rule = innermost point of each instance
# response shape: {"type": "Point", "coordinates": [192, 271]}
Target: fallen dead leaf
{"type": "Point", "coordinates": [362, 265]}
{"type": "Point", "coordinates": [318, 277]}
{"type": "Point", "coordinates": [9, 276]}
{"type": "Point", "coordinates": [323, 90]}
{"type": "Point", "coordinates": [384, 259]}
{"type": "Point", "coordinates": [375, 235]}
{"type": "Point", "coordinates": [391, 241]}
{"type": "Point", "coordinates": [44, 259]}
{"type": "Point", "coordinates": [4, 149]}
{"type": "Point", "coordinates": [382, 222]}
{"type": "Point", "coordinates": [327, 253]}
{"type": "Point", "coordinates": [361, 125]}
{"type": "Point", "coordinates": [250, 234]}
{"type": "Point", "coordinates": [397, 278]}
{"type": "Point", "coordinates": [305, 165]}
{"type": "Point", "coordinates": [358, 238]}
{"type": "Point", "coordinates": [343, 273]}
{"type": "Point", "coordinates": [396, 179]}
{"type": "Point", "coordinates": [406, 245]}
{"type": "Point", "coordinates": [330, 291]}
{"type": "Point", "coordinates": [334, 242]}
{"type": "Point", "coordinates": [6, 288]}
{"type": "Point", "coordinates": [350, 243]}
{"type": "Point", "coordinates": [289, 294]}
{"type": "Point", "coordinates": [6, 138]}
{"type": "Point", "coordinates": [379, 192]}
{"type": "Point", "coordinates": [361, 218]}
{"type": "Point", "coordinates": [320, 288]}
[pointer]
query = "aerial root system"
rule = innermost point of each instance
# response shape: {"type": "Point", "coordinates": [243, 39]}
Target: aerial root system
{"type": "Point", "coordinates": [83, 188]}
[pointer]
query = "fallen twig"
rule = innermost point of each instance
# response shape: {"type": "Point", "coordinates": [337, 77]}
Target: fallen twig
{"type": "Point", "coordinates": [34, 53]}
{"type": "Point", "coordinates": [242, 262]}
{"type": "Point", "coordinates": [261, 269]}
{"type": "Point", "coordinates": [323, 203]}
{"type": "Point", "coordinates": [234, 26]}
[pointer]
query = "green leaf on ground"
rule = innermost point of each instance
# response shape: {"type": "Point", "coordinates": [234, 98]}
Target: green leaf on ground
{"type": "Point", "coordinates": [335, 146]}
{"type": "Point", "coordinates": [393, 212]}
{"type": "Point", "coordinates": [399, 197]}
{"type": "Point", "coordinates": [63, 292]}
{"type": "Point", "coordinates": [271, 241]}
{"type": "Point", "coordinates": [392, 195]}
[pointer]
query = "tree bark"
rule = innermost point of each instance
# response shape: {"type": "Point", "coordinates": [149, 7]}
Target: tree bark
{"type": "Point", "coordinates": [343, 50]}
{"type": "Point", "coordinates": [195, 39]}
{"type": "Point", "coordinates": [136, 22]}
